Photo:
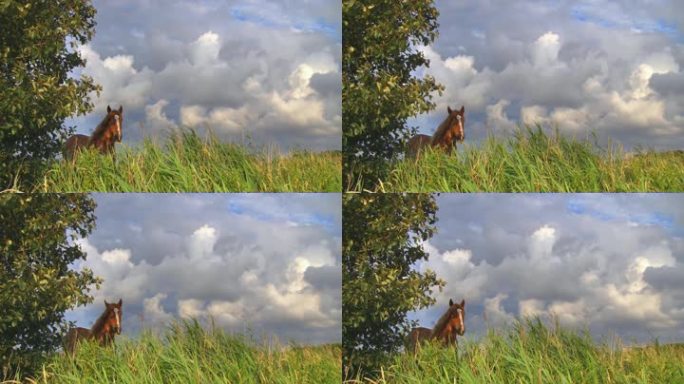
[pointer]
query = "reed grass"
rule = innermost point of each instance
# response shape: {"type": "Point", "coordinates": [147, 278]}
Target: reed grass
{"type": "Point", "coordinates": [186, 162]}
{"type": "Point", "coordinates": [536, 160]}
{"type": "Point", "coordinates": [188, 353]}
{"type": "Point", "coordinates": [533, 352]}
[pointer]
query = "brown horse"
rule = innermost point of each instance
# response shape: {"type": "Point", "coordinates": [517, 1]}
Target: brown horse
{"type": "Point", "coordinates": [450, 131]}
{"type": "Point", "coordinates": [452, 323]}
{"type": "Point", "coordinates": [103, 138]}
{"type": "Point", "coordinates": [103, 331]}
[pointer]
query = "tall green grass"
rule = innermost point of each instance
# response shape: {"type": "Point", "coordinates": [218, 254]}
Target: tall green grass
{"type": "Point", "coordinates": [186, 162]}
{"type": "Point", "coordinates": [189, 353]}
{"type": "Point", "coordinates": [532, 352]}
{"type": "Point", "coordinates": [533, 160]}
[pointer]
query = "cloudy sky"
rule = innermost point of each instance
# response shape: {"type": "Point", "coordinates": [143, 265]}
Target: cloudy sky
{"type": "Point", "coordinates": [265, 263]}
{"type": "Point", "coordinates": [611, 262]}
{"type": "Point", "coordinates": [267, 69]}
{"type": "Point", "coordinates": [614, 67]}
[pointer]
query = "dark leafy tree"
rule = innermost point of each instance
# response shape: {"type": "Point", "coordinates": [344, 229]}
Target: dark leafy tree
{"type": "Point", "coordinates": [382, 236]}
{"type": "Point", "coordinates": [379, 87]}
{"type": "Point", "coordinates": [36, 283]}
{"type": "Point", "coordinates": [37, 93]}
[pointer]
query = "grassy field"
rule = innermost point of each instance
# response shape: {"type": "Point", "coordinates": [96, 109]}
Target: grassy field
{"type": "Point", "coordinates": [537, 161]}
{"type": "Point", "coordinates": [185, 162]}
{"type": "Point", "coordinates": [188, 353]}
{"type": "Point", "coordinates": [531, 352]}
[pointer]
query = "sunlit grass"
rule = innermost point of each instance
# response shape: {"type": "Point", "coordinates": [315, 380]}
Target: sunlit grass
{"type": "Point", "coordinates": [189, 353]}
{"type": "Point", "coordinates": [532, 352]}
{"type": "Point", "coordinates": [537, 161]}
{"type": "Point", "coordinates": [186, 162]}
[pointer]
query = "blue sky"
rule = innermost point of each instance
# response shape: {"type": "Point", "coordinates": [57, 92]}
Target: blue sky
{"type": "Point", "coordinates": [664, 220]}
{"type": "Point", "coordinates": [279, 211]}
{"type": "Point", "coordinates": [316, 25]}
{"type": "Point", "coordinates": [589, 12]}
{"type": "Point", "coordinates": [265, 262]}
{"type": "Point", "coordinates": [611, 67]}
{"type": "Point", "coordinates": [264, 71]}
{"type": "Point", "coordinates": [607, 262]}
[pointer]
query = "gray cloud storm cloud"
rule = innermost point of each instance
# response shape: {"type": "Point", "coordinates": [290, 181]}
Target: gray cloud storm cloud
{"type": "Point", "coordinates": [269, 263]}
{"type": "Point", "coordinates": [267, 70]}
{"type": "Point", "coordinates": [612, 263]}
{"type": "Point", "coordinates": [610, 67]}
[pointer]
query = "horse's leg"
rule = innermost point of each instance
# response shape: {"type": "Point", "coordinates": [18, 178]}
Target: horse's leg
{"type": "Point", "coordinates": [73, 145]}
{"type": "Point", "coordinates": [76, 147]}
{"type": "Point", "coordinates": [65, 152]}
{"type": "Point", "coordinates": [108, 149]}
{"type": "Point", "coordinates": [452, 342]}
{"type": "Point", "coordinates": [72, 340]}
{"type": "Point", "coordinates": [418, 340]}
{"type": "Point", "coordinates": [104, 341]}
{"type": "Point", "coordinates": [416, 153]}
{"type": "Point", "coordinates": [415, 345]}
{"type": "Point", "coordinates": [411, 342]}
{"type": "Point", "coordinates": [415, 145]}
{"type": "Point", "coordinates": [410, 149]}
{"type": "Point", "coordinates": [420, 148]}
{"type": "Point", "coordinates": [69, 342]}
{"type": "Point", "coordinates": [69, 148]}
{"type": "Point", "coordinates": [74, 153]}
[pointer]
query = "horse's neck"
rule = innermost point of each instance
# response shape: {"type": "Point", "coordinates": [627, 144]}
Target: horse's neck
{"type": "Point", "coordinates": [441, 130]}
{"type": "Point", "coordinates": [440, 333]}
{"type": "Point", "coordinates": [103, 143]}
{"type": "Point", "coordinates": [100, 131]}
{"type": "Point", "coordinates": [441, 324]}
{"type": "Point", "coordinates": [446, 335]}
{"type": "Point", "coordinates": [97, 137]}
{"type": "Point", "coordinates": [104, 337]}
{"type": "Point", "coordinates": [449, 331]}
{"type": "Point", "coordinates": [99, 325]}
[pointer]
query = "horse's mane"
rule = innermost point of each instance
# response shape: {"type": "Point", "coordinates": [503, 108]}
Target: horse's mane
{"type": "Point", "coordinates": [442, 129]}
{"type": "Point", "coordinates": [101, 128]}
{"type": "Point", "coordinates": [100, 322]}
{"type": "Point", "coordinates": [441, 323]}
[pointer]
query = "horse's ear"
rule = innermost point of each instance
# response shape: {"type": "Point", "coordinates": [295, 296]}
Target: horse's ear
{"type": "Point", "coordinates": [120, 108]}
{"type": "Point", "coordinates": [462, 108]}
{"type": "Point", "coordinates": [449, 109]}
{"type": "Point", "coordinates": [106, 303]}
{"type": "Point", "coordinates": [109, 109]}
{"type": "Point", "coordinates": [451, 302]}
{"type": "Point", "coordinates": [463, 303]}
{"type": "Point", "coordinates": [120, 302]}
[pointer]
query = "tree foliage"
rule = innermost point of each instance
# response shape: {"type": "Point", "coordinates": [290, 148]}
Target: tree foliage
{"type": "Point", "coordinates": [379, 87]}
{"type": "Point", "coordinates": [37, 53]}
{"type": "Point", "coordinates": [382, 236]}
{"type": "Point", "coordinates": [36, 283]}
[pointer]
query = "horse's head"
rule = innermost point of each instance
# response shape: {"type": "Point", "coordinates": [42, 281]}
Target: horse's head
{"type": "Point", "coordinates": [113, 315]}
{"type": "Point", "coordinates": [457, 316]}
{"type": "Point", "coordinates": [115, 121]}
{"type": "Point", "coordinates": [456, 123]}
